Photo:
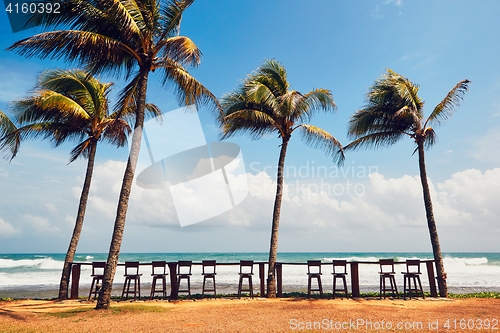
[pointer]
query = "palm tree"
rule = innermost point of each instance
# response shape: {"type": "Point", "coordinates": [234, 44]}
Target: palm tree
{"type": "Point", "coordinates": [116, 36]}
{"type": "Point", "coordinates": [70, 105]}
{"type": "Point", "coordinates": [394, 110]}
{"type": "Point", "coordinates": [265, 104]}
{"type": "Point", "coordinates": [7, 127]}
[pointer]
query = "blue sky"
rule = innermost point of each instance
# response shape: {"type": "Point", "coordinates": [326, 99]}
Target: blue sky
{"type": "Point", "coordinates": [338, 45]}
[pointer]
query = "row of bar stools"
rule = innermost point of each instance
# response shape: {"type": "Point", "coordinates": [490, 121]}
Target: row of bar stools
{"type": "Point", "coordinates": [412, 274]}
{"type": "Point", "coordinates": [339, 273]}
{"type": "Point", "coordinates": [208, 272]}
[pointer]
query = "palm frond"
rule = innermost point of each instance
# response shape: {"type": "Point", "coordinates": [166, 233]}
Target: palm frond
{"type": "Point", "coordinates": [373, 120]}
{"type": "Point", "coordinates": [406, 90]}
{"type": "Point", "coordinates": [248, 121]}
{"type": "Point", "coordinates": [127, 100]}
{"type": "Point", "coordinates": [180, 49]}
{"type": "Point", "coordinates": [47, 105]}
{"type": "Point", "coordinates": [98, 52]}
{"type": "Point", "coordinates": [273, 74]}
{"type": "Point", "coordinates": [116, 132]}
{"type": "Point", "coordinates": [172, 16]}
{"type": "Point", "coordinates": [82, 149]}
{"type": "Point", "coordinates": [375, 140]}
{"type": "Point", "coordinates": [319, 138]}
{"type": "Point", "coordinates": [430, 137]}
{"type": "Point", "coordinates": [317, 99]}
{"type": "Point", "coordinates": [189, 91]}
{"type": "Point", "coordinates": [9, 141]}
{"type": "Point", "coordinates": [259, 93]}
{"type": "Point", "coordinates": [445, 109]}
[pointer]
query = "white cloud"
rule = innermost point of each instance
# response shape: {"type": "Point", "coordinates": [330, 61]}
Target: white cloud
{"type": "Point", "coordinates": [40, 224]}
{"type": "Point", "coordinates": [7, 230]}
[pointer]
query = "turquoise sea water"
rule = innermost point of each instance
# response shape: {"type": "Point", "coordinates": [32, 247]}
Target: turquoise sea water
{"type": "Point", "coordinates": [37, 275]}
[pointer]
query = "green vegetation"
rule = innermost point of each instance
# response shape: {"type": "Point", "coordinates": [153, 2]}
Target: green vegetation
{"type": "Point", "coordinates": [483, 294]}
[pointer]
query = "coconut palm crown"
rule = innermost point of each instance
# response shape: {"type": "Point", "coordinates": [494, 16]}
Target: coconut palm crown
{"type": "Point", "coordinates": [265, 104]}
{"type": "Point", "coordinates": [394, 111]}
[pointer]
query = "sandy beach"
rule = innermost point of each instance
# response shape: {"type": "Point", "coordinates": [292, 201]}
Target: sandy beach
{"type": "Point", "coordinates": [254, 315]}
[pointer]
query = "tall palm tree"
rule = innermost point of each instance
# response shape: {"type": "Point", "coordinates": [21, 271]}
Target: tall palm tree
{"type": "Point", "coordinates": [265, 104]}
{"type": "Point", "coordinates": [393, 111]}
{"type": "Point", "coordinates": [10, 144]}
{"type": "Point", "coordinates": [116, 36]}
{"type": "Point", "coordinates": [70, 105]}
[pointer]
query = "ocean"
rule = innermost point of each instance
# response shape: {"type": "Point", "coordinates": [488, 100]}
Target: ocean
{"type": "Point", "coordinates": [38, 275]}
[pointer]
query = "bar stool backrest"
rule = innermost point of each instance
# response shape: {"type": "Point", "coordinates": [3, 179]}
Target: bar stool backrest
{"type": "Point", "coordinates": [413, 266]}
{"type": "Point", "coordinates": [340, 266]}
{"type": "Point", "coordinates": [386, 266]}
{"type": "Point", "coordinates": [98, 268]}
{"type": "Point", "coordinates": [246, 266]}
{"type": "Point", "coordinates": [159, 268]}
{"type": "Point", "coordinates": [131, 268]}
{"type": "Point", "coordinates": [184, 267]}
{"type": "Point", "coordinates": [208, 267]}
{"type": "Point", "coordinates": [314, 267]}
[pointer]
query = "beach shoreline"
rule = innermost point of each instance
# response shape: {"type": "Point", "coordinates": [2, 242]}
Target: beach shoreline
{"type": "Point", "coordinates": [253, 315]}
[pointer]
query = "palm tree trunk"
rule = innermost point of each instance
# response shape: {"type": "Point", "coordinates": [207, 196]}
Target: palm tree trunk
{"type": "Point", "coordinates": [70, 254]}
{"type": "Point", "coordinates": [273, 250]}
{"type": "Point", "coordinates": [431, 223]}
{"type": "Point", "coordinates": [104, 299]}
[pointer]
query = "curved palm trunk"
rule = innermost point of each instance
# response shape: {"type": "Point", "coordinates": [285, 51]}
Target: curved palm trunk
{"type": "Point", "coordinates": [431, 223]}
{"type": "Point", "coordinates": [104, 299]}
{"type": "Point", "coordinates": [70, 254]}
{"type": "Point", "coordinates": [271, 280]}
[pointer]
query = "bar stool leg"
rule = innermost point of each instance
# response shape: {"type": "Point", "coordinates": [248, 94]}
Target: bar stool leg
{"type": "Point", "coordinates": [125, 288]}
{"type": "Point", "coordinates": [203, 288]}
{"type": "Point", "coordinates": [421, 289]}
{"type": "Point", "coordinates": [320, 286]}
{"type": "Point", "coordinates": [334, 285]}
{"type": "Point", "coordinates": [250, 285]}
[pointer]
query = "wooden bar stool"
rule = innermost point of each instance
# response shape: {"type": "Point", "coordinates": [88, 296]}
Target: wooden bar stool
{"type": "Point", "coordinates": [208, 272]}
{"type": "Point", "coordinates": [412, 274]}
{"type": "Point", "coordinates": [159, 273]}
{"type": "Point", "coordinates": [387, 274]}
{"type": "Point", "coordinates": [132, 274]}
{"type": "Point", "coordinates": [314, 272]}
{"type": "Point", "coordinates": [184, 273]}
{"type": "Point", "coordinates": [97, 276]}
{"type": "Point", "coordinates": [246, 272]}
{"type": "Point", "coordinates": [339, 272]}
